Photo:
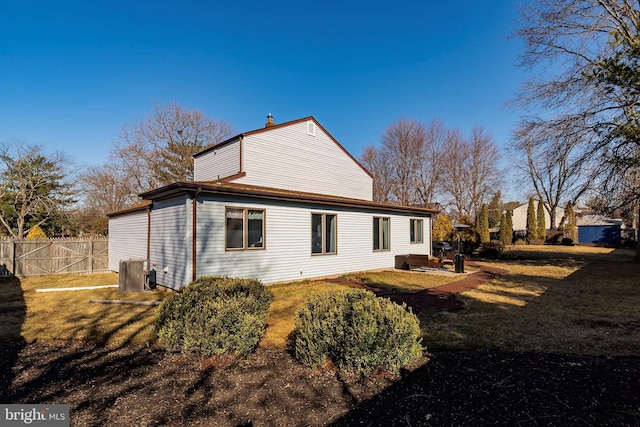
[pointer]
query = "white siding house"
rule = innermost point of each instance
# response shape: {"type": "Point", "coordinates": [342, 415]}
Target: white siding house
{"type": "Point", "coordinates": [298, 156]}
{"type": "Point", "coordinates": [128, 235]}
{"type": "Point", "coordinates": [304, 221]}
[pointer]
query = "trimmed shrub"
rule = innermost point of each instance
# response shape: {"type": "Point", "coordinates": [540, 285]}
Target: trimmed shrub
{"type": "Point", "coordinates": [215, 315]}
{"type": "Point", "coordinates": [491, 249]}
{"type": "Point", "coordinates": [357, 332]}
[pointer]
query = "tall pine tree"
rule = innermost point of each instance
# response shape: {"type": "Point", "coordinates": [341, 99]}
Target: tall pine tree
{"type": "Point", "coordinates": [505, 234]}
{"type": "Point", "coordinates": [495, 210]}
{"type": "Point", "coordinates": [482, 224]}
{"type": "Point", "coordinates": [532, 226]}
{"type": "Point", "coordinates": [509, 218]}
{"type": "Point", "coordinates": [571, 227]}
{"type": "Point", "coordinates": [542, 226]}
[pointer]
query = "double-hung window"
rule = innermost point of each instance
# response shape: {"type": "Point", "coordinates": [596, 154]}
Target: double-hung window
{"type": "Point", "coordinates": [244, 228]}
{"type": "Point", "coordinates": [381, 233]}
{"type": "Point", "coordinates": [324, 234]}
{"type": "Point", "coordinates": [416, 231]}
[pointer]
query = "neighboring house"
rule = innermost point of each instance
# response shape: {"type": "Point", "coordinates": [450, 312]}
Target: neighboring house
{"type": "Point", "coordinates": [599, 230]}
{"type": "Point", "coordinates": [520, 217]}
{"type": "Point", "coordinates": [281, 203]}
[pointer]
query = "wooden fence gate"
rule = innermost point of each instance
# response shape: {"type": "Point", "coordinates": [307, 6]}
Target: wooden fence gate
{"type": "Point", "coordinates": [27, 258]}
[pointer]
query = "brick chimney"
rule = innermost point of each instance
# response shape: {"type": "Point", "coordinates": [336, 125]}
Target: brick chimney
{"type": "Point", "coordinates": [269, 121]}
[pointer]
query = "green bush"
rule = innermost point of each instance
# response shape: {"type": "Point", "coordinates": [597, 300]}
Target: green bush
{"type": "Point", "coordinates": [357, 332]}
{"type": "Point", "coordinates": [215, 315]}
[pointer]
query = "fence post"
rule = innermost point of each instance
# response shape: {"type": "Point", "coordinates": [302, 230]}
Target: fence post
{"type": "Point", "coordinates": [90, 256]}
{"type": "Point", "coordinates": [13, 257]}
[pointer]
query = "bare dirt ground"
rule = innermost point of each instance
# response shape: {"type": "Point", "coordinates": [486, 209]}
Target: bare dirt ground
{"type": "Point", "coordinates": [145, 386]}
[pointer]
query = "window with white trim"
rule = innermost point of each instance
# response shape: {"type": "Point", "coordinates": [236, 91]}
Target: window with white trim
{"type": "Point", "coordinates": [324, 234]}
{"type": "Point", "coordinates": [381, 233]}
{"type": "Point", "coordinates": [244, 228]}
{"type": "Point", "coordinates": [417, 230]}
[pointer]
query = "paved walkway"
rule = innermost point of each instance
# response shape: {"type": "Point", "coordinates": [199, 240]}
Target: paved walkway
{"type": "Point", "coordinates": [443, 298]}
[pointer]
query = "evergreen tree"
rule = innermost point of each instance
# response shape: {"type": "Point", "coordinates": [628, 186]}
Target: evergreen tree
{"type": "Point", "coordinates": [482, 224]}
{"type": "Point", "coordinates": [571, 227]}
{"type": "Point", "coordinates": [542, 226]}
{"type": "Point", "coordinates": [505, 234]}
{"type": "Point", "coordinates": [442, 228]}
{"type": "Point", "coordinates": [509, 218]}
{"type": "Point", "coordinates": [36, 233]}
{"type": "Point", "coordinates": [532, 226]}
{"type": "Point", "coordinates": [495, 210]}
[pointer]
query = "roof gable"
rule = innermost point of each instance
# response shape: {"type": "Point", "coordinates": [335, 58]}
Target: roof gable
{"type": "Point", "coordinates": [280, 126]}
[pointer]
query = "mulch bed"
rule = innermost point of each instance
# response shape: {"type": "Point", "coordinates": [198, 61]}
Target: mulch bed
{"type": "Point", "coordinates": [140, 386]}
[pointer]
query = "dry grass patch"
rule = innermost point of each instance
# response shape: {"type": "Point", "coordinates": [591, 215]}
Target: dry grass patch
{"type": "Point", "coordinates": [288, 298]}
{"type": "Point", "coordinates": [69, 315]}
{"type": "Point", "coordinates": [583, 301]}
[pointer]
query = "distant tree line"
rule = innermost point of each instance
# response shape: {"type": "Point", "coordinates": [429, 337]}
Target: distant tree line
{"type": "Point", "coordinates": [431, 165]}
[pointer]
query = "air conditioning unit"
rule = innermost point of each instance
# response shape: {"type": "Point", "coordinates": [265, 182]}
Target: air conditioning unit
{"type": "Point", "coordinates": [132, 275]}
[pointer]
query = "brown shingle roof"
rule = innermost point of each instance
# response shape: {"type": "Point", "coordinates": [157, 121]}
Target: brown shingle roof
{"type": "Point", "coordinates": [265, 193]}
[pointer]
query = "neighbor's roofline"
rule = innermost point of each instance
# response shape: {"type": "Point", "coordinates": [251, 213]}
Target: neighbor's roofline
{"type": "Point", "coordinates": [278, 126]}
{"type": "Point", "coordinates": [241, 190]}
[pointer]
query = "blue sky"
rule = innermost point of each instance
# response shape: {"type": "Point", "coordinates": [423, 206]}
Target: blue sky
{"type": "Point", "coordinates": [73, 73]}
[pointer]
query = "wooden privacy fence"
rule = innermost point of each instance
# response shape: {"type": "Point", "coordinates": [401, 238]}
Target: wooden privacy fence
{"type": "Point", "coordinates": [27, 258]}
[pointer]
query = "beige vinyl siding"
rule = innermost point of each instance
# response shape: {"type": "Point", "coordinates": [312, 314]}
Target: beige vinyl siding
{"type": "Point", "coordinates": [170, 243]}
{"type": "Point", "coordinates": [127, 238]}
{"type": "Point", "coordinates": [520, 216]}
{"type": "Point", "coordinates": [289, 158]}
{"type": "Point", "coordinates": [219, 163]}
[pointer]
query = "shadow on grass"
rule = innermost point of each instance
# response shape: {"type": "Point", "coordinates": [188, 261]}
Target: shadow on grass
{"type": "Point", "coordinates": [13, 311]}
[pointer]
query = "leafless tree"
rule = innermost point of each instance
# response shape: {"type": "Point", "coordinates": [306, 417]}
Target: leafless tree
{"type": "Point", "coordinates": [406, 167]}
{"type": "Point", "coordinates": [378, 164]}
{"type": "Point", "coordinates": [551, 160]}
{"type": "Point", "coordinates": [158, 149]}
{"type": "Point", "coordinates": [428, 176]}
{"type": "Point", "coordinates": [403, 146]}
{"type": "Point", "coordinates": [470, 170]}
{"type": "Point", "coordinates": [586, 54]}
{"type": "Point", "coordinates": [107, 190]}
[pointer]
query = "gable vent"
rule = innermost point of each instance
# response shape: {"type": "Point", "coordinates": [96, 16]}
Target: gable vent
{"type": "Point", "coordinates": [311, 128]}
